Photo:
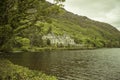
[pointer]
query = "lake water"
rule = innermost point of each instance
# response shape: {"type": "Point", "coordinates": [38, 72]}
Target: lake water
{"type": "Point", "coordinates": [99, 64]}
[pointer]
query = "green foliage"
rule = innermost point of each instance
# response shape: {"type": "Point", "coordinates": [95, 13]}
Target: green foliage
{"type": "Point", "coordinates": [5, 33]}
{"type": "Point", "coordinates": [5, 37]}
{"type": "Point", "coordinates": [49, 30]}
{"type": "Point", "coordinates": [9, 71]}
{"type": "Point", "coordinates": [22, 14]}
{"type": "Point", "coordinates": [48, 42]}
{"type": "Point", "coordinates": [22, 43]}
{"type": "Point", "coordinates": [85, 30]}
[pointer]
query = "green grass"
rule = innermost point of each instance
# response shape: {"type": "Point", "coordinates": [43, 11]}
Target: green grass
{"type": "Point", "coordinates": [9, 71]}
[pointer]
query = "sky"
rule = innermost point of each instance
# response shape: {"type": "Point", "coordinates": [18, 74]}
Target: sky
{"type": "Point", "coordinates": [101, 10]}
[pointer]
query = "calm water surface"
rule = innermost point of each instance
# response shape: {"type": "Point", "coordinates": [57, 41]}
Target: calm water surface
{"type": "Point", "coordinates": [100, 64]}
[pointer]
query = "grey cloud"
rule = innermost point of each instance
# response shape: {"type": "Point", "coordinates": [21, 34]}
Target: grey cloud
{"type": "Point", "coordinates": [101, 10]}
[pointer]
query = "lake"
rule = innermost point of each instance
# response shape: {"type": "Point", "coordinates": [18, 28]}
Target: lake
{"type": "Point", "coordinates": [99, 64]}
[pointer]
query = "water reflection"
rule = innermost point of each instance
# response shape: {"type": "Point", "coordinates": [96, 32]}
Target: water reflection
{"type": "Point", "coordinates": [101, 64]}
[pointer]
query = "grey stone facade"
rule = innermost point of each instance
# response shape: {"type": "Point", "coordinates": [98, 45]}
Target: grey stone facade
{"type": "Point", "coordinates": [63, 40]}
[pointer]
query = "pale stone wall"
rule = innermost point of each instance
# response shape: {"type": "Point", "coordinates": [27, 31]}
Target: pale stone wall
{"type": "Point", "coordinates": [65, 40]}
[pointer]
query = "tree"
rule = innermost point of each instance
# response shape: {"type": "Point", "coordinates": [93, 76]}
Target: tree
{"type": "Point", "coordinates": [16, 15]}
{"type": "Point", "coordinates": [49, 30]}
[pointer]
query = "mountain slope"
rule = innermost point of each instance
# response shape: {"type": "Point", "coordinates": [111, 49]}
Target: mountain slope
{"type": "Point", "coordinates": [82, 29]}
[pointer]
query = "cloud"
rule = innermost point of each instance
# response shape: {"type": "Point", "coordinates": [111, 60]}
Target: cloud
{"type": "Point", "coordinates": [101, 10]}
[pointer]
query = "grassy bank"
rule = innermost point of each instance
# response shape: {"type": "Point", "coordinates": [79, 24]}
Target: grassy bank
{"type": "Point", "coordinates": [9, 71]}
{"type": "Point", "coordinates": [38, 49]}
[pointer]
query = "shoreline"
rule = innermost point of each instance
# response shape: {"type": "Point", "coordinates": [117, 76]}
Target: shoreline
{"type": "Point", "coordinates": [52, 49]}
{"type": "Point", "coordinates": [42, 49]}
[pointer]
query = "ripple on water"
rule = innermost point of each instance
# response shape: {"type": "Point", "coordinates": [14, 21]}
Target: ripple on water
{"type": "Point", "coordinates": [100, 64]}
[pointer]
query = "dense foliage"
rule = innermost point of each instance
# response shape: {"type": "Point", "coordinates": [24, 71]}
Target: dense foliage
{"type": "Point", "coordinates": [17, 15]}
{"type": "Point", "coordinates": [9, 71]}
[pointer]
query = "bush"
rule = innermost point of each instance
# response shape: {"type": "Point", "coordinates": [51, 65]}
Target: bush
{"type": "Point", "coordinates": [9, 71]}
{"type": "Point", "coordinates": [23, 43]}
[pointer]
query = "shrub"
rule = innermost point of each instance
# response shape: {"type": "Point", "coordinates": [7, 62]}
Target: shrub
{"type": "Point", "coordinates": [9, 71]}
{"type": "Point", "coordinates": [23, 43]}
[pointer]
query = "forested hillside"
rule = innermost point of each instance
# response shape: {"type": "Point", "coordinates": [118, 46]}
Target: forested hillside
{"type": "Point", "coordinates": [85, 30]}
{"type": "Point", "coordinates": [22, 26]}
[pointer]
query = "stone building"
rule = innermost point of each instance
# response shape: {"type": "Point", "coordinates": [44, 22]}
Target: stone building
{"type": "Point", "coordinates": [58, 40]}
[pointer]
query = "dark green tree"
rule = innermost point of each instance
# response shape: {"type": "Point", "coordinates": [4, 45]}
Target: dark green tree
{"type": "Point", "coordinates": [16, 13]}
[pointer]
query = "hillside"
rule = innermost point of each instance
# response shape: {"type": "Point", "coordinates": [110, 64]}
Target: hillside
{"type": "Point", "coordinates": [83, 28]}
{"type": "Point", "coordinates": [57, 22]}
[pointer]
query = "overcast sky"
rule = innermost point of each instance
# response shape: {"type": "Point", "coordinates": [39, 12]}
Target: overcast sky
{"type": "Point", "coordinates": [100, 10]}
